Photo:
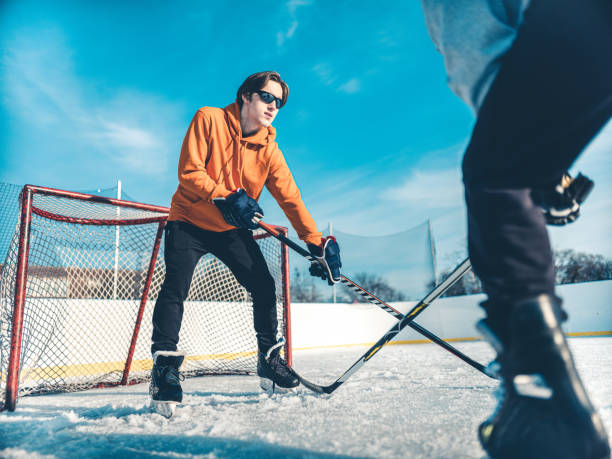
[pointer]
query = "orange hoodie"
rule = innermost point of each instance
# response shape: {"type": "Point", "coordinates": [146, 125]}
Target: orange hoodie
{"type": "Point", "coordinates": [215, 159]}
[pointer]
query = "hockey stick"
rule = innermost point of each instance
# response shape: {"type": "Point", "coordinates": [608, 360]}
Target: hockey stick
{"type": "Point", "coordinates": [398, 327]}
{"type": "Point", "coordinates": [423, 331]}
{"type": "Point", "coordinates": [378, 302]}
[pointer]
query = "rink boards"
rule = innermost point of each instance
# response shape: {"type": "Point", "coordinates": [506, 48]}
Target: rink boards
{"type": "Point", "coordinates": [84, 344]}
{"type": "Point", "coordinates": [325, 325]}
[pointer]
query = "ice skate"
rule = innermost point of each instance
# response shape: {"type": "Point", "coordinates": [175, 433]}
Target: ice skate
{"type": "Point", "coordinates": [276, 376]}
{"type": "Point", "coordinates": [544, 410]}
{"type": "Point", "coordinates": [165, 389]}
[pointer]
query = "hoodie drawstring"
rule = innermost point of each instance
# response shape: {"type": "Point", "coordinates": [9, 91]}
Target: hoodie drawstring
{"type": "Point", "coordinates": [235, 134]}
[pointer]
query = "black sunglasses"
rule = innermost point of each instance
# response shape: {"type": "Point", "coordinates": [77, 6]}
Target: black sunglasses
{"type": "Point", "coordinates": [268, 98]}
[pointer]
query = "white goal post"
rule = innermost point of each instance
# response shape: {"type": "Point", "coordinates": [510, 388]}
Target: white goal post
{"type": "Point", "coordinates": [77, 290]}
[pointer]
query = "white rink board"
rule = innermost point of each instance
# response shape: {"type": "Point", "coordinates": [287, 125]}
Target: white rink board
{"type": "Point", "coordinates": [108, 325]}
{"type": "Point", "coordinates": [327, 325]}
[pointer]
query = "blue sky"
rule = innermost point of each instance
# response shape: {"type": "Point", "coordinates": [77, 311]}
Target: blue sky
{"type": "Point", "coordinates": [93, 92]}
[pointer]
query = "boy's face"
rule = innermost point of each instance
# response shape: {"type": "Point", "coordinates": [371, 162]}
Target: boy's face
{"type": "Point", "coordinates": [256, 112]}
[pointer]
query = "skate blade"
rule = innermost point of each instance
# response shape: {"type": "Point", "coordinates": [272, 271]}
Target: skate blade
{"type": "Point", "coordinates": [166, 409]}
{"type": "Point", "coordinates": [270, 387]}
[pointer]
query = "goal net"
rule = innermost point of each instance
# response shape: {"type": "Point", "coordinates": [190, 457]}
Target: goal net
{"type": "Point", "coordinates": [77, 290]}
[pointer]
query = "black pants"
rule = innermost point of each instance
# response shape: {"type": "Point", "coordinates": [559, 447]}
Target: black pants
{"type": "Point", "coordinates": [552, 95]}
{"type": "Point", "coordinates": [185, 244]}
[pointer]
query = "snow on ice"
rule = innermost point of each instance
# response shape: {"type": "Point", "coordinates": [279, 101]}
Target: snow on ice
{"type": "Point", "coordinates": [411, 401]}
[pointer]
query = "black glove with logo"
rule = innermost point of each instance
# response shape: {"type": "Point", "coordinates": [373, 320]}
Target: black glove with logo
{"type": "Point", "coordinates": [327, 265]}
{"type": "Point", "coordinates": [239, 209]}
{"type": "Point", "coordinates": [561, 202]}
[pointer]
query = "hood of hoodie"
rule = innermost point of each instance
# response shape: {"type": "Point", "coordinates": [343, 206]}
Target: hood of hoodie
{"type": "Point", "coordinates": [264, 136]}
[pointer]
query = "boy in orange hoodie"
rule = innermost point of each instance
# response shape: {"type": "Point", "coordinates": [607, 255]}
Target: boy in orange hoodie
{"type": "Point", "coordinates": [227, 157]}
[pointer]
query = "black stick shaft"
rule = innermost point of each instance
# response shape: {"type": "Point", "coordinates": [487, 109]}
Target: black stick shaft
{"type": "Point", "coordinates": [456, 352]}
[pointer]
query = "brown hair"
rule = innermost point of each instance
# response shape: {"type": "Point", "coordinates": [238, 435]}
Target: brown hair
{"type": "Point", "coordinates": [257, 81]}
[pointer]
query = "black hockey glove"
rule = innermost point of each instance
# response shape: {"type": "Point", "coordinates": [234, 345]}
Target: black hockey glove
{"type": "Point", "coordinates": [239, 209]}
{"type": "Point", "coordinates": [328, 263]}
{"type": "Point", "coordinates": [561, 202]}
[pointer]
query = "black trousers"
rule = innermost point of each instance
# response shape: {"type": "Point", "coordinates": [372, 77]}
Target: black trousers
{"type": "Point", "coordinates": [551, 96]}
{"type": "Point", "coordinates": [185, 244]}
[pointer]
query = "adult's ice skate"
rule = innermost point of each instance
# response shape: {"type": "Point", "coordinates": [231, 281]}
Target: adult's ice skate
{"type": "Point", "coordinates": [544, 409]}
{"type": "Point", "coordinates": [165, 389]}
{"type": "Point", "coordinates": [274, 372]}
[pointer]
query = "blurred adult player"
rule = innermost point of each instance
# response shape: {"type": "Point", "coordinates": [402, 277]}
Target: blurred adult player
{"type": "Point", "coordinates": [538, 75]}
{"type": "Point", "coordinates": [228, 156]}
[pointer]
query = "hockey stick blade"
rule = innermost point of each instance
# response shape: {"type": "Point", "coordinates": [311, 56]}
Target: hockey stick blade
{"type": "Point", "coordinates": [393, 331]}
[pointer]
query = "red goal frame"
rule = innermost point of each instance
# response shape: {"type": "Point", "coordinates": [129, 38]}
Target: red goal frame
{"type": "Point", "coordinates": [28, 209]}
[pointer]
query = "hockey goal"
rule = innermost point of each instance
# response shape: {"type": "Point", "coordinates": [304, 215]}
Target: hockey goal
{"type": "Point", "coordinates": [77, 290]}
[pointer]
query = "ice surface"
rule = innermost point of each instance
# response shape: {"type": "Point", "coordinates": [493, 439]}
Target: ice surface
{"type": "Point", "coordinates": [411, 401]}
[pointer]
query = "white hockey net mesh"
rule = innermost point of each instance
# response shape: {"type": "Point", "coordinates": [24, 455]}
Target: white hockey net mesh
{"type": "Point", "coordinates": [85, 282]}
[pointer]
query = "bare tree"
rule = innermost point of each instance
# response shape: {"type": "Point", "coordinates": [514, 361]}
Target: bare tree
{"type": "Point", "coordinates": [374, 284]}
{"type": "Point", "coordinates": [572, 267]}
{"type": "Point", "coordinates": [303, 288]}
{"type": "Point", "coordinates": [469, 284]}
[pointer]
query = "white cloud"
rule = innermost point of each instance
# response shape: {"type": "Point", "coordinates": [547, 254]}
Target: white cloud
{"type": "Point", "coordinates": [351, 86]}
{"type": "Point", "coordinates": [388, 38]}
{"type": "Point", "coordinates": [35, 82]}
{"type": "Point", "coordinates": [328, 76]}
{"type": "Point", "coordinates": [42, 88]}
{"type": "Point", "coordinates": [360, 201]}
{"type": "Point", "coordinates": [128, 137]}
{"type": "Point", "coordinates": [428, 188]}
{"type": "Point", "coordinates": [281, 37]}
{"type": "Point", "coordinates": [292, 6]}
{"type": "Point", "coordinates": [325, 73]}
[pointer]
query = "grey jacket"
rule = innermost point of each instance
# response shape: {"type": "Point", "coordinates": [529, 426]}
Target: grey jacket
{"type": "Point", "coordinates": [473, 35]}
